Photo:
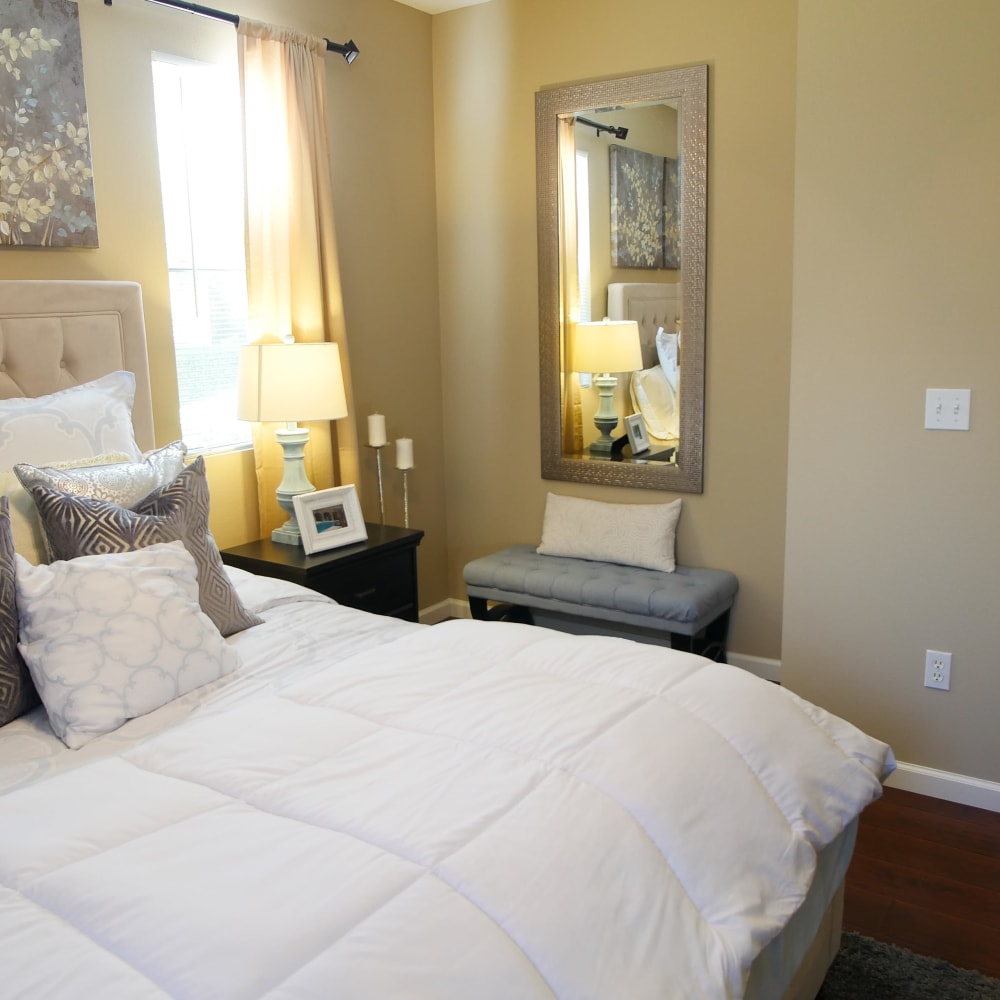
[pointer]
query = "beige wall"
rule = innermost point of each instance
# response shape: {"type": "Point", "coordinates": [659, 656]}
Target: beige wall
{"type": "Point", "coordinates": [488, 63]}
{"type": "Point", "coordinates": [381, 118]}
{"type": "Point", "coordinates": [892, 530]}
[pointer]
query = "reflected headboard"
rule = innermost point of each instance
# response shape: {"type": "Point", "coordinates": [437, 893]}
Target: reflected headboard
{"type": "Point", "coordinates": [57, 334]}
{"type": "Point", "coordinates": [651, 305]}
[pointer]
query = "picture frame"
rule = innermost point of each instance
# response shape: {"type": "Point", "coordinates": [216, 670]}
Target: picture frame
{"type": "Point", "coordinates": [329, 519]}
{"type": "Point", "coordinates": [638, 439]}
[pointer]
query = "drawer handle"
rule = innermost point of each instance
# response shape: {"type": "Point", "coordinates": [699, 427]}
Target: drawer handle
{"type": "Point", "coordinates": [362, 594]}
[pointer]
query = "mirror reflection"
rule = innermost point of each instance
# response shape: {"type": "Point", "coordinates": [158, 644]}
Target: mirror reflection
{"type": "Point", "coordinates": [621, 181]}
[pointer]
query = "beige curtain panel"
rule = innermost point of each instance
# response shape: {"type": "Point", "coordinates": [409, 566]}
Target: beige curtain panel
{"type": "Point", "coordinates": [569, 287]}
{"type": "Point", "coordinates": [293, 276]}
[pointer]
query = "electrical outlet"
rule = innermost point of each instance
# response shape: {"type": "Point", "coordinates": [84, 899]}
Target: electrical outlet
{"type": "Point", "coordinates": [937, 670]}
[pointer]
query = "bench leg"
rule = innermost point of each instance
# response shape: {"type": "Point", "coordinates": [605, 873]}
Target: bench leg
{"type": "Point", "coordinates": [499, 612]}
{"type": "Point", "coordinates": [710, 642]}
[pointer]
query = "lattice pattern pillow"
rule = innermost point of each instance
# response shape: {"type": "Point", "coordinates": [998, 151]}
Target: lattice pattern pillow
{"type": "Point", "coordinates": [77, 526]}
{"type": "Point", "coordinates": [89, 419]}
{"type": "Point", "coordinates": [108, 638]}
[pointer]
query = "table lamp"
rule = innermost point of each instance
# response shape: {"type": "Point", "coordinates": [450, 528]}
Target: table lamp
{"type": "Point", "coordinates": [604, 349]}
{"type": "Point", "coordinates": [291, 382]}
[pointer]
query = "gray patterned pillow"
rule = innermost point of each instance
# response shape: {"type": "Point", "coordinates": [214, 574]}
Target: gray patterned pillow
{"type": "Point", "coordinates": [17, 693]}
{"type": "Point", "coordinates": [82, 526]}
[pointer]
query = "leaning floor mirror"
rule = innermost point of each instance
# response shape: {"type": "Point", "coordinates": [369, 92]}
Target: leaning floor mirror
{"type": "Point", "coordinates": [621, 182]}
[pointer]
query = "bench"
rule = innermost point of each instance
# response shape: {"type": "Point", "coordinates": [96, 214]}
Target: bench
{"type": "Point", "coordinates": [691, 605]}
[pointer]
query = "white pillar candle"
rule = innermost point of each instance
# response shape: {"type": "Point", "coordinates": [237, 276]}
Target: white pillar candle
{"type": "Point", "coordinates": [404, 453]}
{"type": "Point", "coordinates": [376, 430]}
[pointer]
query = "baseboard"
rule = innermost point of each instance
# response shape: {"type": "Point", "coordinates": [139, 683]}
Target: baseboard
{"type": "Point", "coordinates": [769, 670]}
{"type": "Point", "coordinates": [452, 607]}
{"type": "Point", "coordinates": [946, 785]}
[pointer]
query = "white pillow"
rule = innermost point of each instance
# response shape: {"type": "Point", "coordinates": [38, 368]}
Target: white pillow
{"type": "Point", "coordinates": [654, 397]}
{"type": "Point", "coordinates": [111, 637]}
{"type": "Point", "coordinates": [631, 534]}
{"type": "Point", "coordinates": [89, 419]}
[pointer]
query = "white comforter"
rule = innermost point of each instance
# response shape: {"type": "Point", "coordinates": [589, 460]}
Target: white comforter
{"type": "Point", "coordinates": [473, 810]}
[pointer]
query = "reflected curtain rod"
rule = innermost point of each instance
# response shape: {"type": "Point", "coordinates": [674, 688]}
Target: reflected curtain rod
{"type": "Point", "coordinates": [347, 49]}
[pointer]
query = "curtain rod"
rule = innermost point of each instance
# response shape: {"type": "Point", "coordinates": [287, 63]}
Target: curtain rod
{"type": "Point", "coordinates": [347, 49]}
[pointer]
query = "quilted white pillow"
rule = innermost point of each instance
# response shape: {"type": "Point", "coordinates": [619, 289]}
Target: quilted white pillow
{"type": "Point", "coordinates": [89, 419]}
{"type": "Point", "coordinates": [111, 637]}
{"type": "Point", "coordinates": [625, 533]}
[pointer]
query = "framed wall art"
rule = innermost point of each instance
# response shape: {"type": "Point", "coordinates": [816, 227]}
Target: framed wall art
{"type": "Point", "coordinates": [46, 171]}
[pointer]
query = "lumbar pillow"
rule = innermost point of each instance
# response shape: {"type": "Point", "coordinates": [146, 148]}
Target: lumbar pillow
{"type": "Point", "coordinates": [17, 693]}
{"type": "Point", "coordinates": [77, 526]}
{"type": "Point", "coordinates": [111, 637]}
{"type": "Point", "coordinates": [86, 420]}
{"type": "Point", "coordinates": [629, 534]}
{"type": "Point", "coordinates": [107, 477]}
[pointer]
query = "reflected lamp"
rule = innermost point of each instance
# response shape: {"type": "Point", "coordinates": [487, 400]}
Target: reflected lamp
{"type": "Point", "coordinates": [288, 382]}
{"type": "Point", "coordinates": [605, 349]}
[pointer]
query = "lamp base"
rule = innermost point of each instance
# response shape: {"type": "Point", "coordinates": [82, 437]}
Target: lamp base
{"type": "Point", "coordinates": [295, 482]}
{"type": "Point", "coordinates": [287, 534]}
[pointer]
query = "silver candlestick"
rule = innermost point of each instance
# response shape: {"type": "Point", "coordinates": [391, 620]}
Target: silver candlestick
{"type": "Point", "coordinates": [406, 498]}
{"type": "Point", "coordinates": [378, 471]}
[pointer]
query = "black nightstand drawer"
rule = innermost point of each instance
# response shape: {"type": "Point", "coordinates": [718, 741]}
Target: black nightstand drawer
{"type": "Point", "coordinates": [377, 575]}
{"type": "Point", "coordinates": [381, 584]}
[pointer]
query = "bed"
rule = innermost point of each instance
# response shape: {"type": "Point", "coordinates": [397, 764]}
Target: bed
{"type": "Point", "coordinates": [357, 806]}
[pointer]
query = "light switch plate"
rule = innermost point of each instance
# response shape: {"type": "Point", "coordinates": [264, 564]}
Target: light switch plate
{"type": "Point", "coordinates": [947, 409]}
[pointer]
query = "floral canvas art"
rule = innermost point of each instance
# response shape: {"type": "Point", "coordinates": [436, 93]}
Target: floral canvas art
{"type": "Point", "coordinates": [645, 218]}
{"type": "Point", "coordinates": [46, 173]}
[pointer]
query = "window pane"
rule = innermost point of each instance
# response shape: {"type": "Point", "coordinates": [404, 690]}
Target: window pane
{"type": "Point", "coordinates": [201, 176]}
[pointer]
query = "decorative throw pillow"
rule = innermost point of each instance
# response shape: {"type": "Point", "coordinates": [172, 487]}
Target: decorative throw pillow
{"type": "Point", "coordinates": [29, 539]}
{"type": "Point", "coordinates": [17, 693]}
{"type": "Point", "coordinates": [89, 419]}
{"type": "Point", "coordinates": [106, 477]}
{"type": "Point", "coordinates": [111, 637]}
{"type": "Point", "coordinates": [625, 533]}
{"type": "Point", "coordinates": [78, 526]}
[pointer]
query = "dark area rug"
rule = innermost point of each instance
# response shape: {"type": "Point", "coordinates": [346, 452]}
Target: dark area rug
{"type": "Point", "coordinates": [869, 970]}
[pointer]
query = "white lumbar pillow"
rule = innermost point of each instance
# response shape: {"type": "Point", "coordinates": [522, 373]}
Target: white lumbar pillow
{"type": "Point", "coordinates": [108, 638]}
{"type": "Point", "coordinates": [629, 534]}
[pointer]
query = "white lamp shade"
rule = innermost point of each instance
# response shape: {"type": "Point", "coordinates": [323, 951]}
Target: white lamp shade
{"type": "Point", "coordinates": [291, 382]}
{"type": "Point", "coordinates": [611, 346]}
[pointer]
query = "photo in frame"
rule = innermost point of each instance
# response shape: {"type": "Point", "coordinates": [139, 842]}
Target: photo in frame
{"type": "Point", "coordinates": [638, 439]}
{"type": "Point", "coordinates": [330, 518]}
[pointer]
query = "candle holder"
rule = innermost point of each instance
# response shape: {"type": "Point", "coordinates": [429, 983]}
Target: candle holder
{"type": "Point", "coordinates": [406, 498]}
{"type": "Point", "coordinates": [377, 448]}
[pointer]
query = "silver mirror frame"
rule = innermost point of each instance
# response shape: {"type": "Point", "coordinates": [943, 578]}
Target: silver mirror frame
{"type": "Point", "coordinates": [690, 86]}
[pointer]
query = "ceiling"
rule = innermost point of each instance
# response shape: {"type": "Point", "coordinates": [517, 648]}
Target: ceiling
{"type": "Point", "coordinates": [439, 6]}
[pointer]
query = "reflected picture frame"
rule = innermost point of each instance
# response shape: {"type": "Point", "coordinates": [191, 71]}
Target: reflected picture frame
{"type": "Point", "coordinates": [638, 439]}
{"type": "Point", "coordinates": [329, 519]}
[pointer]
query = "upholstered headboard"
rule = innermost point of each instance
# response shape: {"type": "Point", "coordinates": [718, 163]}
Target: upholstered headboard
{"type": "Point", "coordinates": [57, 334]}
{"type": "Point", "coordinates": [651, 305]}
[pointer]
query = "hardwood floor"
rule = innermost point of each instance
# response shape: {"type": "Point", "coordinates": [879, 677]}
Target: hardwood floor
{"type": "Point", "coordinates": [926, 876]}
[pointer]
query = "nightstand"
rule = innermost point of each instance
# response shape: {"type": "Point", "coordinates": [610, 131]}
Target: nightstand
{"type": "Point", "coordinates": [378, 575]}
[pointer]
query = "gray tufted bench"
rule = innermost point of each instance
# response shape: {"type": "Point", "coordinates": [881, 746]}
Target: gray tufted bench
{"type": "Point", "coordinates": [691, 605]}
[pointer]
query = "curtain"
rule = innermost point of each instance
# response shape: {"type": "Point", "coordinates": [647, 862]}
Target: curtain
{"type": "Point", "coordinates": [293, 277]}
{"type": "Point", "coordinates": [569, 290]}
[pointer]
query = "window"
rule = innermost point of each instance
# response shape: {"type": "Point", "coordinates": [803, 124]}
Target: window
{"type": "Point", "coordinates": [201, 175]}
